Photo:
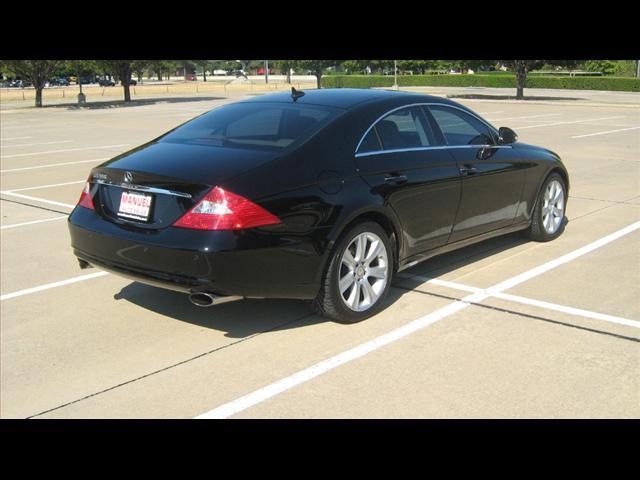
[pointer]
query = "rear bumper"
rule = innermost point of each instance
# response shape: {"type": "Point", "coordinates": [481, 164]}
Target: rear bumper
{"type": "Point", "coordinates": [245, 263]}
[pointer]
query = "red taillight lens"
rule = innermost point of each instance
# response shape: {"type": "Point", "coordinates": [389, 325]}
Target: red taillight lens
{"type": "Point", "coordinates": [223, 210]}
{"type": "Point", "coordinates": [85, 197]}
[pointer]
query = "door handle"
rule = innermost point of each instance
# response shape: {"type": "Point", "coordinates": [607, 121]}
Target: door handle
{"type": "Point", "coordinates": [468, 170]}
{"type": "Point", "coordinates": [396, 179]}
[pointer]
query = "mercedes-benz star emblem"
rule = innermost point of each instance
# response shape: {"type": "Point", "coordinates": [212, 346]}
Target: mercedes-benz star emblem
{"type": "Point", "coordinates": [128, 177]}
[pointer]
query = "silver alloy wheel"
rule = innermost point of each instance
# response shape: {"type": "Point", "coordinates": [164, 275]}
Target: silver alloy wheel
{"type": "Point", "coordinates": [363, 272]}
{"type": "Point", "coordinates": [553, 207]}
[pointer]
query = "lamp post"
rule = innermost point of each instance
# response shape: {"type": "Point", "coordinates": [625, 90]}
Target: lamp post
{"type": "Point", "coordinates": [395, 75]}
{"type": "Point", "coordinates": [82, 99]}
{"type": "Point", "coordinates": [266, 71]}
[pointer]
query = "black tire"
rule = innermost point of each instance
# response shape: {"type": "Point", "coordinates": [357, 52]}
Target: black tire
{"type": "Point", "coordinates": [329, 302]}
{"type": "Point", "coordinates": [536, 230]}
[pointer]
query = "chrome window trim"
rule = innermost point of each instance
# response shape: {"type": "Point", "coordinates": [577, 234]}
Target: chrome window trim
{"type": "Point", "coordinates": [143, 188]}
{"type": "Point", "coordinates": [435, 147]}
{"type": "Point", "coordinates": [491, 127]}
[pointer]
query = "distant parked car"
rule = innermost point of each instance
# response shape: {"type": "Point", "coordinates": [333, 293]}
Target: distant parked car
{"type": "Point", "coordinates": [59, 82]}
{"type": "Point", "coordinates": [131, 82]}
{"type": "Point", "coordinates": [88, 79]}
{"type": "Point", "coordinates": [106, 82]}
{"type": "Point", "coordinates": [19, 84]}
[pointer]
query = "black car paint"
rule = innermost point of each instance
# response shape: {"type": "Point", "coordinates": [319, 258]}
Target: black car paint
{"type": "Point", "coordinates": [317, 190]}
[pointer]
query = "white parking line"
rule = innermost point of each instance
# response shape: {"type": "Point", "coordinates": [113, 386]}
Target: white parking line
{"type": "Point", "coordinates": [525, 116]}
{"type": "Point", "coordinates": [534, 272]}
{"type": "Point", "coordinates": [47, 286]}
{"type": "Point", "coordinates": [64, 150]}
{"type": "Point", "coordinates": [4, 227]}
{"type": "Point", "coordinates": [529, 301]}
{"type": "Point", "coordinates": [568, 123]}
{"type": "Point", "coordinates": [604, 133]}
{"type": "Point", "coordinates": [42, 143]}
{"type": "Point", "coordinates": [15, 138]}
{"type": "Point", "coordinates": [258, 396]}
{"type": "Point", "coordinates": [570, 310]}
{"type": "Point", "coordinates": [37, 199]}
{"type": "Point", "coordinates": [45, 186]}
{"type": "Point", "coordinates": [49, 165]}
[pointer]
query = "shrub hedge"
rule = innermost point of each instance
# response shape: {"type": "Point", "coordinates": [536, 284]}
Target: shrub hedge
{"type": "Point", "coordinates": [478, 80]}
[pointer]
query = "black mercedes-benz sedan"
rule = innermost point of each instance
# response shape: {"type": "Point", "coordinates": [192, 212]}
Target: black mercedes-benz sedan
{"type": "Point", "coordinates": [319, 195]}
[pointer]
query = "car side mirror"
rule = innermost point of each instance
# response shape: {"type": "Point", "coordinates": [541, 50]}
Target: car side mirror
{"type": "Point", "coordinates": [507, 136]}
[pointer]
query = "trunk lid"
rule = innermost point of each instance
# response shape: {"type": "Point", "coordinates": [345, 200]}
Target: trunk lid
{"type": "Point", "coordinates": [154, 185]}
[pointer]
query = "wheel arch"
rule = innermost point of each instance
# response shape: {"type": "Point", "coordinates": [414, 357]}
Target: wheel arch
{"type": "Point", "coordinates": [389, 223]}
{"type": "Point", "coordinates": [562, 172]}
{"type": "Point", "coordinates": [555, 169]}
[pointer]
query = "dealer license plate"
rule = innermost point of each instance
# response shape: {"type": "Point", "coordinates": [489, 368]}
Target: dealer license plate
{"type": "Point", "coordinates": [135, 205]}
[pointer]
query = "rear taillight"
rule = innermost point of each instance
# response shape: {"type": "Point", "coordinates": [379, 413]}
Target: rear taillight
{"type": "Point", "coordinates": [85, 197]}
{"type": "Point", "coordinates": [223, 210]}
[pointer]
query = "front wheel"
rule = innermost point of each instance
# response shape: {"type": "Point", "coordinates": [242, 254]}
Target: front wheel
{"type": "Point", "coordinates": [358, 276]}
{"type": "Point", "coordinates": [548, 220]}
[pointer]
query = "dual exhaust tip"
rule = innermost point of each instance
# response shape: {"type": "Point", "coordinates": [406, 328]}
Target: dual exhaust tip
{"type": "Point", "coordinates": [205, 299]}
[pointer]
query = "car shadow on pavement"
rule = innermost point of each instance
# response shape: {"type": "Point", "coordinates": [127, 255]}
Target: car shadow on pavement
{"type": "Point", "coordinates": [458, 259]}
{"type": "Point", "coordinates": [247, 317]}
{"type": "Point", "coordinates": [134, 103]}
{"type": "Point", "coordinates": [239, 318]}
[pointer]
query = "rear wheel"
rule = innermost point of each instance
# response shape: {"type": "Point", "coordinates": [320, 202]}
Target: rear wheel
{"type": "Point", "coordinates": [358, 276]}
{"type": "Point", "coordinates": [548, 220]}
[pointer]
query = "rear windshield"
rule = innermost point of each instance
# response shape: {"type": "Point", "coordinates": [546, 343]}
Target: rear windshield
{"type": "Point", "coordinates": [254, 125]}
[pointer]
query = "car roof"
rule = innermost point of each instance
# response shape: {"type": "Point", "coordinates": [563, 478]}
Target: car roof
{"type": "Point", "coordinates": [345, 98]}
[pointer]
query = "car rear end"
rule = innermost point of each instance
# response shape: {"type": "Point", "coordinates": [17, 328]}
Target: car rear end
{"type": "Point", "coordinates": [181, 236]}
{"type": "Point", "coordinates": [162, 215]}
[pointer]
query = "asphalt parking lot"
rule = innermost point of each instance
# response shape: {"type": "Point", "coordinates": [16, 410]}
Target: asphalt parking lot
{"type": "Point", "coordinates": [504, 328]}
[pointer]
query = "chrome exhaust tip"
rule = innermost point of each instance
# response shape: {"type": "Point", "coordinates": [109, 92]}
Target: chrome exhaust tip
{"type": "Point", "coordinates": [205, 299]}
{"type": "Point", "coordinates": [202, 299]}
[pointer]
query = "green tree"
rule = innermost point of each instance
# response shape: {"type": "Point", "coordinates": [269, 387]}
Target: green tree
{"type": "Point", "coordinates": [607, 67]}
{"type": "Point", "coordinates": [187, 65]}
{"type": "Point", "coordinates": [355, 66]}
{"type": "Point", "coordinates": [139, 66]}
{"type": "Point", "coordinates": [120, 69]}
{"type": "Point", "coordinates": [474, 65]}
{"type": "Point", "coordinates": [204, 65]}
{"type": "Point", "coordinates": [285, 67]}
{"type": "Point", "coordinates": [381, 66]}
{"type": "Point", "coordinates": [35, 71]}
{"type": "Point", "coordinates": [162, 67]}
{"type": "Point", "coordinates": [566, 64]}
{"type": "Point", "coordinates": [246, 65]}
{"type": "Point", "coordinates": [521, 68]}
{"type": "Point", "coordinates": [316, 67]}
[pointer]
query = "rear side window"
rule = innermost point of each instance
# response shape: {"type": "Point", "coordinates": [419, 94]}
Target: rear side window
{"type": "Point", "coordinates": [254, 125]}
{"type": "Point", "coordinates": [460, 128]}
{"type": "Point", "coordinates": [370, 143]}
{"type": "Point", "coordinates": [404, 128]}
